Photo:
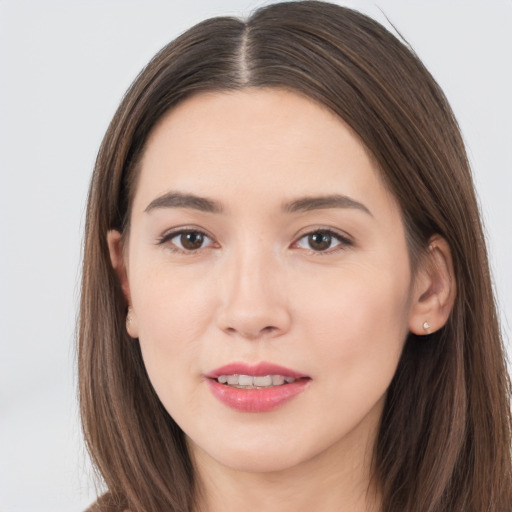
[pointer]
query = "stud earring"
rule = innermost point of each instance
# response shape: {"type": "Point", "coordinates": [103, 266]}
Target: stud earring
{"type": "Point", "coordinates": [128, 317]}
{"type": "Point", "coordinates": [426, 326]}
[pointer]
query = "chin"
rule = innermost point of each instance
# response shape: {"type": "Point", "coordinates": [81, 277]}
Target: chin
{"type": "Point", "coordinates": [258, 461]}
{"type": "Point", "coordinates": [260, 453]}
{"type": "Point", "coordinates": [251, 452]}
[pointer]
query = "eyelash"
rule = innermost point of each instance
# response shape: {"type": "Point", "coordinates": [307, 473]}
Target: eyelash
{"type": "Point", "coordinates": [343, 240]}
{"type": "Point", "coordinates": [167, 237]}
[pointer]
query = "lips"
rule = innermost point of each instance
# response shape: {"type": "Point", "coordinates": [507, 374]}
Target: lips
{"type": "Point", "coordinates": [255, 388]}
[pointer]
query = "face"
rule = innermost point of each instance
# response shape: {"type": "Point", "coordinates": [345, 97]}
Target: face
{"type": "Point", "coordinates": [263, 243]}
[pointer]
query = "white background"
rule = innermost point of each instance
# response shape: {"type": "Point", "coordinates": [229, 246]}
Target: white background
{"type": "Point", "coordinates": [64, 66]}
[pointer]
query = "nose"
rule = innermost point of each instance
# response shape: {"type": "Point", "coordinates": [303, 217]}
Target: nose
{"type": "Point", "coordinates": [253, 304]}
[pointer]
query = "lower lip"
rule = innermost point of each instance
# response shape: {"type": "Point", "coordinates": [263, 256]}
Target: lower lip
{"type": "Point", "coordinates": [256, 400]}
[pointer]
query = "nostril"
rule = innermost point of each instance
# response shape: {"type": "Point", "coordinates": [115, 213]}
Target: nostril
{"type": "Point", "coordinates": [252, 334]}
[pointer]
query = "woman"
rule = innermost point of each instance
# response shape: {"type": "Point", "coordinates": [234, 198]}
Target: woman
{"type": "Point", "coordinates": [286, 300]}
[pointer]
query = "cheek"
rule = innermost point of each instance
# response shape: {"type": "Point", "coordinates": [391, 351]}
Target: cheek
{"type": "Point", "coordinates": [173, 313]}
{"type": "Point", "coordinates": [170, 301]}
{"type": "Point", "coordinates": [358, 327]}
{"type": "Point", "coordinates": [356, 299]}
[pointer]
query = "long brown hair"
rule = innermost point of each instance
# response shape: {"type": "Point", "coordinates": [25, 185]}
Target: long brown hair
{"type": "Point", "coordinates": [444, 443]}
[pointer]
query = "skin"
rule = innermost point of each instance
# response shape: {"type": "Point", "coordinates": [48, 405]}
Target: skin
{"type": "Point", "coordinates": [257, 289]}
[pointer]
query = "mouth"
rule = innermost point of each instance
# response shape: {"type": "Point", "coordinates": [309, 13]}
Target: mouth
{"type": "Point", "coordinates": [258, 388]}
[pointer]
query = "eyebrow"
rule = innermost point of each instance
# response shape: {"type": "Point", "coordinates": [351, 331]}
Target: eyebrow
{"type": "Point", "coordinates": [181, 200]}
{"type": "Point", "coordinates": [304, 204]}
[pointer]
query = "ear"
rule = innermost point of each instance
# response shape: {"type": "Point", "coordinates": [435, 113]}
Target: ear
{"type": "Point", "coordinates": [115, 247]}
{"type": "Point", "coordinates": [434, 289]}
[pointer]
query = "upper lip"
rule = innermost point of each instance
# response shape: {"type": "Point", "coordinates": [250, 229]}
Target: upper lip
{"type": "Point", "coordinates": [257, 370]}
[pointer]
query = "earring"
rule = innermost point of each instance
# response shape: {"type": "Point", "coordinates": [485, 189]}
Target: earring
{"type": "Point", "coordinates": [426, 326]}
{"type": "Point", "coordinates": [128, 317]}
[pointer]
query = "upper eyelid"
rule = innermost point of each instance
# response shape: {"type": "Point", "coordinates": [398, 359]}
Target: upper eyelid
{"type": "Point", "coordinates": [334, 234]}
{"type": "Point", "coordinates": [171, 233]}
{"type": "Point", "coordinates": [337, 233]}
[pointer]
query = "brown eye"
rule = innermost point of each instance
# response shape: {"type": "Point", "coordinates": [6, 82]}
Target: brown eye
{"type": "Point", "coordinates": [187, 240]}
{"type": "Point", "coordinates": [320, 240]}
{"type": "Point", "coordinates": [323, 240]}
{"type": "Point", "coordinates": [191, 240]}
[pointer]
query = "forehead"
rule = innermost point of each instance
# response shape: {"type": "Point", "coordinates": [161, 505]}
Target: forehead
{"type": "Point", "coordinates": [268, 142]}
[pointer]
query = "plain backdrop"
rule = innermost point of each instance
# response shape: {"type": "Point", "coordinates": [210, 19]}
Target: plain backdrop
{"type": "Point", "coordinates": [64, 66]}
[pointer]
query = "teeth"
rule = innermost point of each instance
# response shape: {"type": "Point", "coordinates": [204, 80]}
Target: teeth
{"type": "Point", "coordinates": [262, 381]}
{"type": "Point", "coordinates": [277, 380]}
{"type": "Point", "coordinates": [245, 380]}
{"type": "Point", "coordinates": [249, 381]}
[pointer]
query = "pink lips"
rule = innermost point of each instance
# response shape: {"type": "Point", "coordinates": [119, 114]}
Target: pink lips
{"type": "Point", "coordinates": [256, 400]}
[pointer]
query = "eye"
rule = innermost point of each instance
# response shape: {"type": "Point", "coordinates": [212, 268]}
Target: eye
{"type": "Point", "coordinates": [186, 240]}
{"type": "Point", "coordinates": [322, 240]}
